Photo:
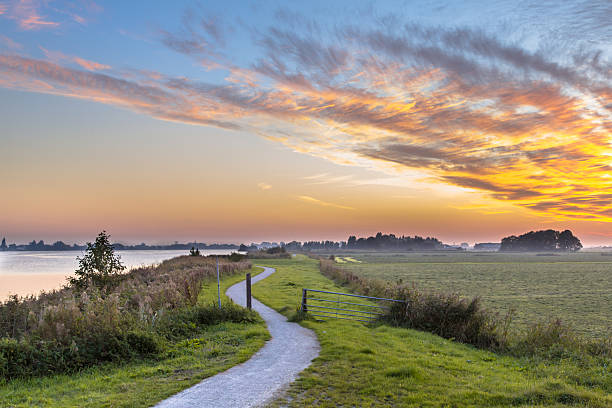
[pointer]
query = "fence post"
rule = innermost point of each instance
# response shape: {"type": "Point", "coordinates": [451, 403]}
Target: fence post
{"type": "Point", "coordinates": [248, 291]}
{"type": "Point", "coordinates": [304, 300]}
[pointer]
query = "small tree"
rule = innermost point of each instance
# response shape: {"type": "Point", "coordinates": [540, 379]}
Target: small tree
{"type": "Point", "coordinates": [194, 251]}
{"type": "Point", "coordinates": [100, 266]}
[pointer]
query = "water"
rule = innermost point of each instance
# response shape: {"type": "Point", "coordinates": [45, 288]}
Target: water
{"type": "Point", "coordinates": [25, 273]}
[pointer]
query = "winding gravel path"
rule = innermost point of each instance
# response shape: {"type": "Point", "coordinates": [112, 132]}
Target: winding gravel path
{"type": "Point", "coordinates": [258, 380]}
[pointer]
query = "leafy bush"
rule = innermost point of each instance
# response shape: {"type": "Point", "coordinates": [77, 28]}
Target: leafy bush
{"type": "Point", "coordinates": [100, 266]}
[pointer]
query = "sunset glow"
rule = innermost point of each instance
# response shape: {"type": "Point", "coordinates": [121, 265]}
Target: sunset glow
{"type": "Point", "coordinates": [310, 121]}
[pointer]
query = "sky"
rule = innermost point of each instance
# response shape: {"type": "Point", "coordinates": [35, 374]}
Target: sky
{"type": "Point", "coordinates": [242, 121]}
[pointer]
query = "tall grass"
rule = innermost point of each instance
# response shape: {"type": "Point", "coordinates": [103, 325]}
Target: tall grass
{"type": "Point", "coordinates": [465, 320]}
{"type": "Point", "coordinates": [447, 315]}
{"type": "Point", "coordinates": [68, 329]}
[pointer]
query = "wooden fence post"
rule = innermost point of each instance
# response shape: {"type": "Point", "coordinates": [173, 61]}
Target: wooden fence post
{"type": "Point", "coordinates": [248, 291]}
{"type": "Point", "coordinates": [305, 300]}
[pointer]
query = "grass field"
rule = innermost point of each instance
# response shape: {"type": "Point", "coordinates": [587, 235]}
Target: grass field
{"type": "Point", "coordinates": [576, 287]}
{"type": "Point", "coordinates": [384, 366]}
{"type": "Point", "coordinates": [143, 383]}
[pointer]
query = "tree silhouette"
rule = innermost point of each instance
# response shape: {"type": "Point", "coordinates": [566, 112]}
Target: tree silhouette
{"type": "Point", "coordinates": [546, 240]}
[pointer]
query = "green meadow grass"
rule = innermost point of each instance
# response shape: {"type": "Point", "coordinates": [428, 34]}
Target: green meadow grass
{"type": "Point", "coordinates": [575, 287]}
{"type": "Point", "coordinates": [143, 383]}
{"type": "Point", "coordinates": [373, 366]}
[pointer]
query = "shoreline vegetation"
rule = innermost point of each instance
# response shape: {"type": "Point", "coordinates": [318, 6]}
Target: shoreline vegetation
{"type": "Point", "coordinates": [141, 382]}
{"type": "Point", "coordinates": [138, 317]}
{"type": "Point", "coordinates": [61, 246]}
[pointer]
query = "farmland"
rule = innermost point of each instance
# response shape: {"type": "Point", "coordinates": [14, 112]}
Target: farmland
{"type": "Point", "coordinates": [379, 365]}
{"type": "Point", "coordinates": [576, 287]}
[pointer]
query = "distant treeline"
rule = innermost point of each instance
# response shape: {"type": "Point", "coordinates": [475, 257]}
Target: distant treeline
{"type": "Point", "coordinates": [378, 242]}
{"type": "Point", "coordinates": [61, 246]}
{"type": "Point", "coordinates": [383, 241]}
{"type": "Point", "coordinates": [547, 240]}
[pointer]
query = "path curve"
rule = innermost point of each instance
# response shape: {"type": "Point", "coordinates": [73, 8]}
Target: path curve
{"type": "Point", "coordinates": [258, 380]}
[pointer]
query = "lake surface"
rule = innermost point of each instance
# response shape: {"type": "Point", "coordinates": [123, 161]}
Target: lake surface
{"type": "Point", "coordinates": [25, 273]}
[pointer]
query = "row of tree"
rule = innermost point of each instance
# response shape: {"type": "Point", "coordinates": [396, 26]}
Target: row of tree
{"type": "Point", "coordinates": [390, 241]}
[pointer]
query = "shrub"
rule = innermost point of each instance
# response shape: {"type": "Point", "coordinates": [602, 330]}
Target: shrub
{"type": "Point", "coordinates": [462, 319]}
{"type": "Point", "coordinates": [100, 266]}
{"type": "Point", "coordinates": [66, 330]}
{"type": "Point", "coordinates": [446, 315]}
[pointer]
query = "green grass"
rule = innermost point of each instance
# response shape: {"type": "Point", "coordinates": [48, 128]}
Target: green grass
{"type": "Point", "coordinates": [385, 366]}
{"type": "Point", "coordinates": [143, 383]}
{"type": "Point", "coordinates": [576, 287]}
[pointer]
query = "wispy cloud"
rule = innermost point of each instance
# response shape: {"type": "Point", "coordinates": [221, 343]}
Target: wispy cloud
{"type": "Point", "coordinates": [10, 44]}
{"type": "Point", "coordinates": [41, 14]}
{"type": "Point", "coordinates": [459, 106]}
{"type": "Point", "coordinates": [331, 180]}
{"type": "Point", "coordinates": [264, 186]}
{"type": "Point", "coordinates": [58, 57]}
{"type": "Point", "coordinates": [27, 13]}
{"type": "Point", "coordinates": [316, 176]}
{"type": "Point", "coordinates": [313, 200]}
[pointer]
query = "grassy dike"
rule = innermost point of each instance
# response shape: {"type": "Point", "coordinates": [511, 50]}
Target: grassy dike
{"type": "Point", "coordinates": [385, 366]}
{"type": "Point", "coordinates": [143, 383]}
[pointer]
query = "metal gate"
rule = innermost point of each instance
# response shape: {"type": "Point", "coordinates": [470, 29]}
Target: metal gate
{"type": "Point", "coordinates": [335, 305]}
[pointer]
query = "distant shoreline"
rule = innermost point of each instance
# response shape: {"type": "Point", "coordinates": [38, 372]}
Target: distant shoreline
{"type": "Point", "coordinates": [60, 246]}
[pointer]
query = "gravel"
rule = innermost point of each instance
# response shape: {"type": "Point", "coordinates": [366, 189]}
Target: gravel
{"type": "Point", "coordinates": [260, 379]}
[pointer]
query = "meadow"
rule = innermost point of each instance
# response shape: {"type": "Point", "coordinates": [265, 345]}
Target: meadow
{"type": "Point", "coordinates": [575, 287]}
{"type": "Point", "coordinates": [379, 365]}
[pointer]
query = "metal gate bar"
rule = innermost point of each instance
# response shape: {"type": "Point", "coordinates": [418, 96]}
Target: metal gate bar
{"type": "Point", "coordinates": [346, 303]}
{"type": "Point", "coordinates": [346, 310]}
{"type": "Point", "coordinates": [367, 314]}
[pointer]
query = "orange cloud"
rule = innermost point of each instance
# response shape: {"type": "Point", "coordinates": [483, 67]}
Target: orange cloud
{"type": "Point", "coordinates": [27, 15]}
{"type": "Point", "coordinates": [90, 65]}
{"type": "Point", "coordinates": [58, 57]}
{"type": "Point", "coordinates": [418, 102]}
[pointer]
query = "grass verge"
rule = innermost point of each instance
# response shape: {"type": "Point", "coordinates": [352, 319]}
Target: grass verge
{"type": "Point", "coordinates": [387, 366]}
{"type": "Point", "coordinates": [145, 382]}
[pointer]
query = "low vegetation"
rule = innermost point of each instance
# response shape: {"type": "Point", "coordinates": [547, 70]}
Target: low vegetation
{"type": "Point", "coordinates": [452, 316]}
{"type": "Point", "coordinates": [574, 286]}
{"type": "Point", "coordinates": [381, 365]}
{"type": "Point", "coordinates": [141, 382]}
{"type": "Point", "coordinates": [270, 253]}
{"type": "Point", "coordinates": [446, 315]}
{"type": "Point", "coordinates": [127, 316]}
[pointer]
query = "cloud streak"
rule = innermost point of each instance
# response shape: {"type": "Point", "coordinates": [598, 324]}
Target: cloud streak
{"type": "Point", "coordinates": [458, 106]}
{"type": "Point", "coordinates": [33, 15]}
{"type": "Point", "coordinates": [322, 203]}
{"type": "Point", "coordinates": [27, 14]}
{"type": "Point", "coordinates": [264, 186]}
